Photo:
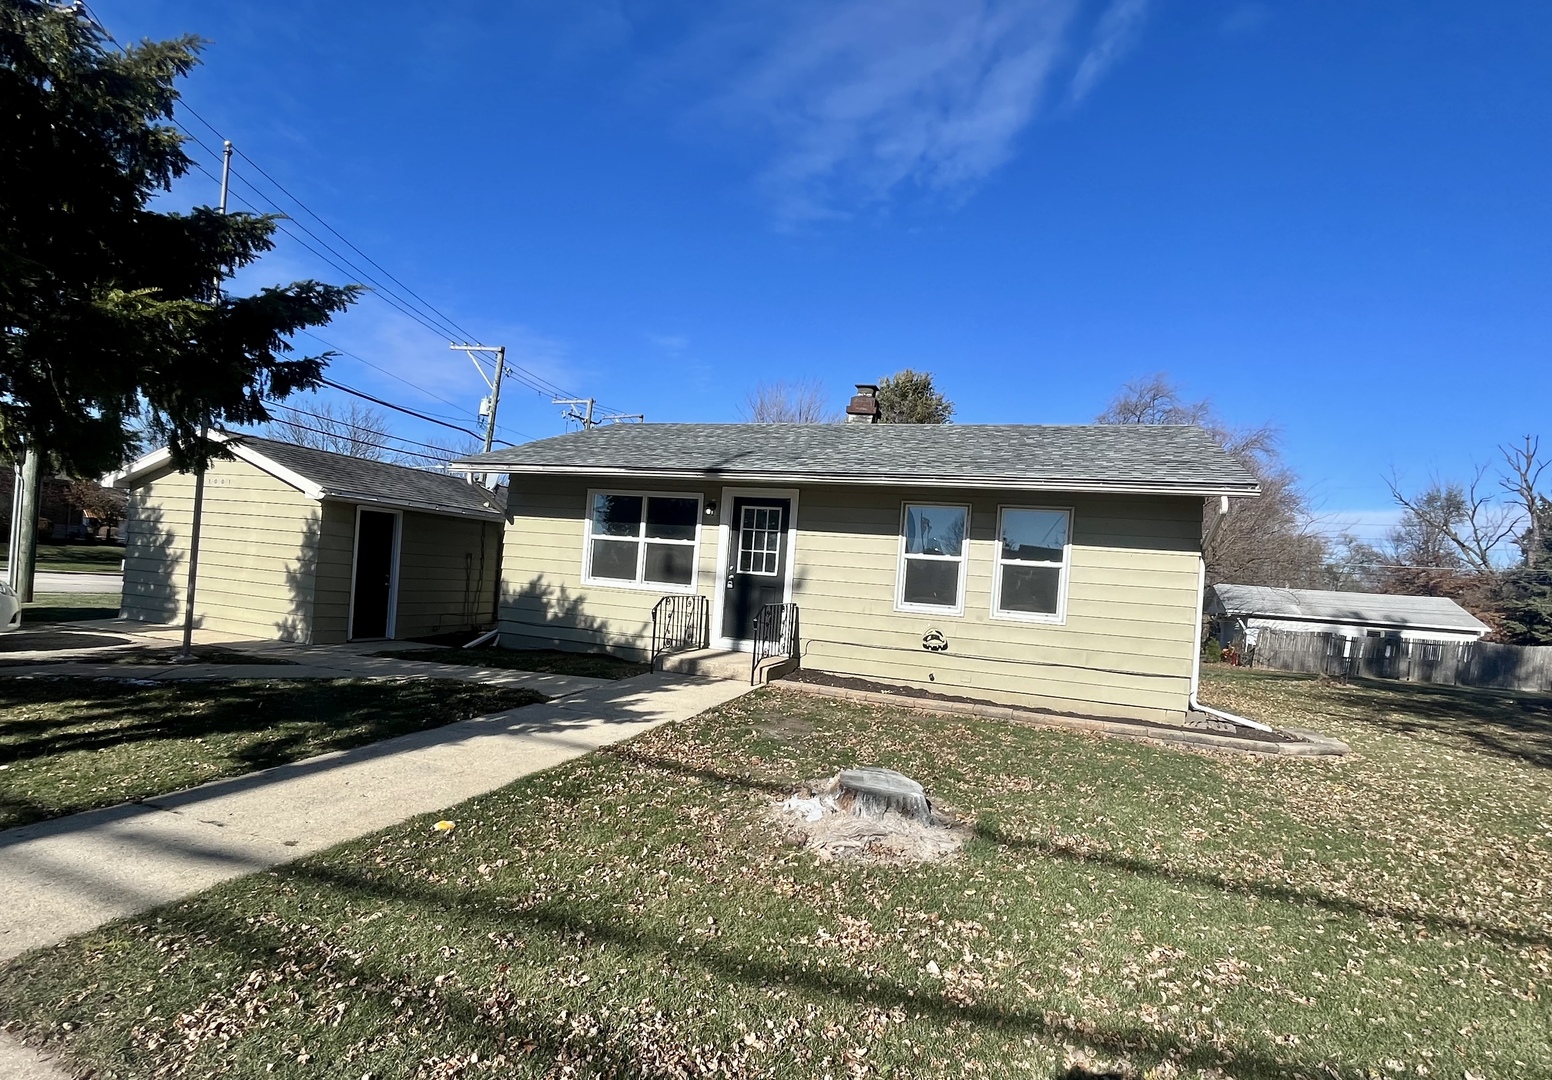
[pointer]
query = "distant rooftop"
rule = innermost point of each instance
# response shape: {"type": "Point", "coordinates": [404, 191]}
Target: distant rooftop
{"type": "Point", "coordinates": [1163, 459]}
{"type": "Point", "coordinates": [1369, 609]}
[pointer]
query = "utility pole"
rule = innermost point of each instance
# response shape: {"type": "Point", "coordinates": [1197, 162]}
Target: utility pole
{"type": "Point", "coordinates": [489, 406]}
{"type": "Point", "coordinates": [585, 419]}
{"type": "Point", "coordinates": [187, 652]}
{"type": "Point", "coordinates": [23, 557]}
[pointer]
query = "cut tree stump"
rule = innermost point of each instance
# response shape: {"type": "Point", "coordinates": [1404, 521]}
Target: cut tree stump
{"type": "Point", "coordinates": [872, 792]}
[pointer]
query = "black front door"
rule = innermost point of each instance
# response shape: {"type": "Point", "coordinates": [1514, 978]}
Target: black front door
{"type": "Point", "coordinates": [374, 575]}
{"type": "Point", "coordinates": [757, 563]}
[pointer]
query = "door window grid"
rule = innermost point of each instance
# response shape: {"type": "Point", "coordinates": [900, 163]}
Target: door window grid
{"type": "Point", "coordinates": [759, 540]}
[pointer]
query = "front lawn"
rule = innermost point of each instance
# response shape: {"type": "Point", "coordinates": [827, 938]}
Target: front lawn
{"type": "Point", "coordinates": [548, 661]}
{"type": "Point", "coordinates": [77, 558]}
{"type": "Point", "coordinates": [71, 745]}
{"type": "Point", "coordinates": [1124, 910]}
{"type": "Point", "coordinates": [70, 607]}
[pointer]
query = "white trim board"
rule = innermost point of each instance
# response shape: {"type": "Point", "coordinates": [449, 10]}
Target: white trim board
{"type": "Point", "coordinates": [393, 574]}
{"type": "Point", "coordinates": [724, 542]}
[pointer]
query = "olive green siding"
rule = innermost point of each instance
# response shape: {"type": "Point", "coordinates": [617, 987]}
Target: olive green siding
{"type": "Point", "coordinates": [1126, 647]}
{"type": "Point", "coordinates": [543, 600]}
{"type": "Point", "coordinates": [256, 552]}
{"type": "Point", "coordinates": [276, 564]}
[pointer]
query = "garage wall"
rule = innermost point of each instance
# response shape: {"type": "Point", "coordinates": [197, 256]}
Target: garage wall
{"type": "Point", "coordinates": [257, 552]}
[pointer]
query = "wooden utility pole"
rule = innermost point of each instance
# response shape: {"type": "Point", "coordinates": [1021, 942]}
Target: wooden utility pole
{"type": "Point", "coordinates": [24, 556]}
{"type": "Point", "coordinates": [195, 519]}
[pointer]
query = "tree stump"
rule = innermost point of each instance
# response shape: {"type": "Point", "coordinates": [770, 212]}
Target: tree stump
{"type": "Point", "coordinates": [872, 792]}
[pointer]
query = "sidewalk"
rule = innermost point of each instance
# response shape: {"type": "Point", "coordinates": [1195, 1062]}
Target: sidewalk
{"type": "Point", "coordinates": [64, 877]}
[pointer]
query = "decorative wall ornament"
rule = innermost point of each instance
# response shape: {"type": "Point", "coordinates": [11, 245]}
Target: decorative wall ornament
{"type": "Point", "coordinates": [934, 641]}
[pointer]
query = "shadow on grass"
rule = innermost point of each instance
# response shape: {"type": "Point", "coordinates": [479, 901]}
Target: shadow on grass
{"type": "Point", "coordinates": [1502, 723]}
{"type": "Point", "coordinates": [610, 1043]}
{"type": "Point", "coordinates": [1267, 890]}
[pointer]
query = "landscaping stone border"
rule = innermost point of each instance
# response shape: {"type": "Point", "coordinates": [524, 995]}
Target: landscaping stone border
{"type": "Point", "coordinates": [1311, 744]}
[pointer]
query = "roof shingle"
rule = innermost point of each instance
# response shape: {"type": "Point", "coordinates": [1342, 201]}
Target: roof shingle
{"type": "Point", "coordinates": [1138, 458]}
{"type": "Point", "coordinates": [354, 479]}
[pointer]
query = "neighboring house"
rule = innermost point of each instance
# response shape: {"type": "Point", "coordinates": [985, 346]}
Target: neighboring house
{"type": "Point", "coordinates": [1054, 567]}
{"type": "Point", "coordinates": [1241, 612]}
{"type": "Point", "coordinates": [305, 545]}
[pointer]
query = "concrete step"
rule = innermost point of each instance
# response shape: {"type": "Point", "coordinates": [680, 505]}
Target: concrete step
{"type": "Point", "coordinates": [725, 664]}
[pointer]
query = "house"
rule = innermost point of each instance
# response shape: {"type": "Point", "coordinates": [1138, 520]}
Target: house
{"type": "Point", "coordinates": [1051, 567]}
{"type": "Point", "coordinates": [305, 545]}
{"type": "Point", "coordinates": [1241, 612]}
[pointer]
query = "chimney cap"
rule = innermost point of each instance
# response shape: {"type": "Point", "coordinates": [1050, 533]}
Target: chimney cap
{"type": "Point", "coordinates": [863, 408]}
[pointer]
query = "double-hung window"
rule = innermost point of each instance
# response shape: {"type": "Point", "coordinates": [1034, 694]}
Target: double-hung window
{"type": "Point", "coordinates": [642, 540]}
{"type": "Point", "coordinates": [931, 575]}
{"type": "Point", "coordinates": [1032, 557]}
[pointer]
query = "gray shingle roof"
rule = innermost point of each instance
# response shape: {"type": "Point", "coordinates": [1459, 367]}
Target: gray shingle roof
{"type": "Point", "coordinates": [1372, 609]}
{"type": "Point", "coordinates": [1140, 458]}
{"type": "Point", "coordinates": [354, 479]}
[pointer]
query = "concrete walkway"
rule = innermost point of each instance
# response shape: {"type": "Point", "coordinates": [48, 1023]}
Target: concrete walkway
{"type": "Point", "coordinates": [64, 877]}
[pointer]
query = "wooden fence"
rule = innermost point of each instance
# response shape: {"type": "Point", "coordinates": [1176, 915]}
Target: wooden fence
{"type": "Point", "coordinates": [1451, 663]}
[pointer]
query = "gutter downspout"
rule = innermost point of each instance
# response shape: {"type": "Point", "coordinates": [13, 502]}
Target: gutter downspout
{"type": "Point", "coordinates": [1201, 602]}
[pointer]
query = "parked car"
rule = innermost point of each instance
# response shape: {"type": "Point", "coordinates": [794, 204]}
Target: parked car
{"type": "Point", "coordinates": [10, 609]}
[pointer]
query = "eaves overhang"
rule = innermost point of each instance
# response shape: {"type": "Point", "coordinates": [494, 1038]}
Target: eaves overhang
{"type": "Point", "coordinates": [985, 483]}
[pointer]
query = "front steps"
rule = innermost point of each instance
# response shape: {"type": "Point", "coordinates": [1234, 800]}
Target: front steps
{"type": "Point", "coordinates": [726, 664]}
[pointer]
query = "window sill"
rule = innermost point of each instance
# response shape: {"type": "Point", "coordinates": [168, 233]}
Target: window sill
{"type": "Point", "coordinates": [1059, 619]}
{"type": "Point", "coordinates": [640, 586]}
{"type": "Point", "coordinates": [922, 609]}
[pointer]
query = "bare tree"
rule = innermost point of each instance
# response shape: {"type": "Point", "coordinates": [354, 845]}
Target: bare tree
{"type": "Point", "coordinates": [1271, 540]}
{"type": "Point", "coordinates": [1153, 399]}
{"type": "Point", "coordinates": [1523, 482]}
{"type": "Point", "coordinates": [358, 430]}
{"type": "Point", "coordinates": [801, 402]}
{"type": "Point", "coordinates": [1453, 524]}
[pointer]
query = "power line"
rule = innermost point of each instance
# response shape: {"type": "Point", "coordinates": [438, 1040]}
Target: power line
{"type": "Point", "coordinates": [334, 420]}
{"type": "Point", "coordinates": [409, 412]}
{"type": "Point", "coordinates": [408, 302]}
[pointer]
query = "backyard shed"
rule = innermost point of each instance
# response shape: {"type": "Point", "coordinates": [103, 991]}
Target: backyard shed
{"type": "Point", "coordinates": [1050, 567]}
{"type": "Point", "coordinates": [305, 545]}
{"type": "Point", "coordinates": [1241, 612]}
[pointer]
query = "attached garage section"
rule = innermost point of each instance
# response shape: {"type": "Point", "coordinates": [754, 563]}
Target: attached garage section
{"type": "Point", "coordinates": [298, 544]}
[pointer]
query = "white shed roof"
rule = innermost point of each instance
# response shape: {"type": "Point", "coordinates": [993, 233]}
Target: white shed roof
{"type": "Point", "coordinates": [1369, 609]}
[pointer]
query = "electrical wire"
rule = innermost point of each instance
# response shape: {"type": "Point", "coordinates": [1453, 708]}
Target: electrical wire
{"type": "Point", "coordinates": [407, 411]}
{"type": "Point", "coordinates": [334, 420]}
{"type": "Point", "coordinates": [416, 307]}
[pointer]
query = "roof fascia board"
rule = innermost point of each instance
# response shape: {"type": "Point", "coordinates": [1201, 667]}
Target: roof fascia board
{"type": "Point", "coordinates": [1378, 624]}
{"type": "Point", "coordinates": [989, 483]}
{"type": "Point", "coordinates": [492, 516]}
{"type": "Point", "coordinates": [141, 466]}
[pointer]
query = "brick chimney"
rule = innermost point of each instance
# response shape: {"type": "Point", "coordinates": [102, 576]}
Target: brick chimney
{"type": "Point", "coordinates": [863, 408]}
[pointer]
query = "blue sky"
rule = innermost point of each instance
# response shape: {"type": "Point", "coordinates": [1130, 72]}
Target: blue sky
{"type": "Point", "coordinates": [1330, 216]}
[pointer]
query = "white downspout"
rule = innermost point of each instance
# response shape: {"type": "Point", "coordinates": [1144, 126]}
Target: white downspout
{"type": "Point", "coordinates": [1201, 601]}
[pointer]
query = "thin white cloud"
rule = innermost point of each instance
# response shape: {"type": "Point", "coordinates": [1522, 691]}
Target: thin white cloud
{"type": "Point", "coordinates": [857, 101]}
{"type": "Point", "coordinates": [1114, 35]}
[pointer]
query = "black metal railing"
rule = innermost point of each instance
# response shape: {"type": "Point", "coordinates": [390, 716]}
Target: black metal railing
{"type": "Point", "coordinates": [680, 622]}
{"type": "Point", "coordinates": [775, 634]}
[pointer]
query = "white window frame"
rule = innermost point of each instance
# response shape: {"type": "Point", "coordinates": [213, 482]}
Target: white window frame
{"type": "Point", "coordinates": [1060, 617]}
{"type": "Point", "coordinates": [963, 560]}
{"type": "Point", "coordinates": [641, 542]}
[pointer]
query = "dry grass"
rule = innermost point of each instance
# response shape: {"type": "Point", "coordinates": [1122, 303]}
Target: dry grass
{"type": "Point", "coordinates": [1124, 909]}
